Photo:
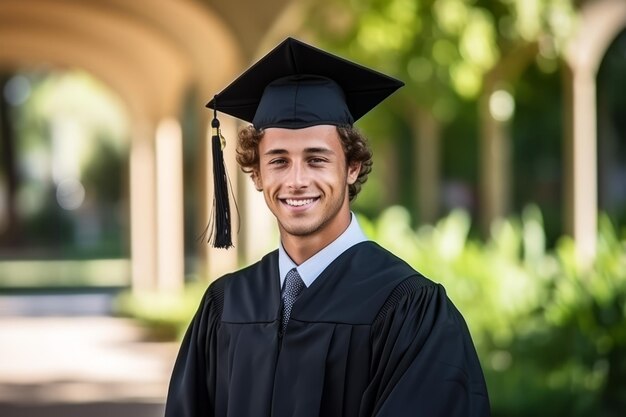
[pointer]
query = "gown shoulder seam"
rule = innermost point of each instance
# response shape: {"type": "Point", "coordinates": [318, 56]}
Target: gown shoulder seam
{"type": "Point", "coordinates": [407, 287]}
{"type": "Point", "coordinates": [215, 299]}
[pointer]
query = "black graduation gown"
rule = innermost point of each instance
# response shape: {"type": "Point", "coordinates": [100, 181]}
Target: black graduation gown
{"type": "Point", "coordinates": [370, 337]}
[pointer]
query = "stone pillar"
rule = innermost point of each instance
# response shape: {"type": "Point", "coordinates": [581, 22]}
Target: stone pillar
{"type": "Point", "coordinates": [495, 164]}
{"type": "Point", "coordinates": [143, 209]}
{"type": "Point", "coordinates": [599, 23]}
{"type": "Point", "coordinates": [170, 223]}
{"type": "Point", "coordinates": [426, 168]}
{"type": "Point", "coordinates": [581, 194]}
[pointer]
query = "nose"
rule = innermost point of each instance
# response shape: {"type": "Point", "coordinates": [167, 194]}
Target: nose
{"type": "Point", "coordinates": [298, 177]}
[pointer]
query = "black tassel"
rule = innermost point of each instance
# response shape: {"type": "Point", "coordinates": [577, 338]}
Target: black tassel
{"type": "Point", "coordinates": [221, 235]}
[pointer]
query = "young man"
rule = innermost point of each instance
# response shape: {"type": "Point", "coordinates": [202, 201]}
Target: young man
{"type": "Point", "coordinates": [330, 324]}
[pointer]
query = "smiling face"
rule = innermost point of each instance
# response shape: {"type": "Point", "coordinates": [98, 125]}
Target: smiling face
{"type": "Point", "coordinates": [304, 178]}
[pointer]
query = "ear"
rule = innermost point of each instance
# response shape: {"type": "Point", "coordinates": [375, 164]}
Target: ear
{"type": "Point", "coordinates": [256, 179]}
{"type": "Point", "coordinates": [353, 172]}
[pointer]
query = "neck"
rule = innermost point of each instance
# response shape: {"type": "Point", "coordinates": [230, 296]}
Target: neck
{"type": "Point", "coordinates": [301, 248]}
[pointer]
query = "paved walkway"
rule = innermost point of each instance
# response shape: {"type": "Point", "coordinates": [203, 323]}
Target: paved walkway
{"type": "Point", "coordinates": [76, 365]}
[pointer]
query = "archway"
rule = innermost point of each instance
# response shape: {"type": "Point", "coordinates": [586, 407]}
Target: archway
{"type": "Point", "coordinates": [600, 23]}
{"type": "Point", "coordinates": [150, 56]}
{"type": "Point", "coordinates": [64, 157]}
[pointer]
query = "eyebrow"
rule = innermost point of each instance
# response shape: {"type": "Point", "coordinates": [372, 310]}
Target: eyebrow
{"type": "Point", "coordinates": [318, 150]}
{"type": "Point", "coordinates": [306, 150]}
{"type": "Point", "coordinates": [276, 152]}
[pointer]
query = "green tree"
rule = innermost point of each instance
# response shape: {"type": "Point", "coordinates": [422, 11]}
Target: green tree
{"type": "Point", "coordinates": [447, 52]}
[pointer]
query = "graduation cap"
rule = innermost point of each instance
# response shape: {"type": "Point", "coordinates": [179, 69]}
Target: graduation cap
{"type": "Point", "coordinates": [294, 86]}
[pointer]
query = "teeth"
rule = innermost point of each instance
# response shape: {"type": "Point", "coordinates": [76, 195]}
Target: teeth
{"type": "Point", "coordinates": [298, 203]}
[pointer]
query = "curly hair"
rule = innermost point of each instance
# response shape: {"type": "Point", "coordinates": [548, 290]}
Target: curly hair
{"type": "Point", "coordinates": [354, 146]}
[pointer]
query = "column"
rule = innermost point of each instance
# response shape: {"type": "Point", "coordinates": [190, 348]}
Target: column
{"type": "Point", "coordinates": [495, 161]}
{"type": "Point", "coordinates": [169, 170]}
{"type": "Point", "coordinates": [427, 166]}
{"type": "Point", "coordinates": [143, 209]}
{"type": "Point", "coordinates": [581, 149]}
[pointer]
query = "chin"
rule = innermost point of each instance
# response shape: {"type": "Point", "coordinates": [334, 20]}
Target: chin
{"type": "Point", "coordinates": [300, 230]}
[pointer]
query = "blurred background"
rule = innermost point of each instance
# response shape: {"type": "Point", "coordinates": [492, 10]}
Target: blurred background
{"type": "Point", "coordinates": [500, 171]}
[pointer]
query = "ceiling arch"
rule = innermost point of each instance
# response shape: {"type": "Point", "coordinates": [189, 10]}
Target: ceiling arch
{"type": "Point", "coordinates": [601, 21]}
{"type": "Point", "coordinates": [149, 55]}
{"type": "Point", "coordinates": [57, 52]}
{"type": "Point", "coordinates": [207, 40]}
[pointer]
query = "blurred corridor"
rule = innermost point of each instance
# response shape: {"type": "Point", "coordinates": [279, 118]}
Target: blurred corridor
{"type": "Point", "coordinates": [63, 355]}
{"type": "Point", "coordinates": [500, 171]}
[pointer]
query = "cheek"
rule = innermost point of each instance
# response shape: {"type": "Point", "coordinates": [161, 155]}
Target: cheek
{"type": "Point", "coordinates": [269, 180]}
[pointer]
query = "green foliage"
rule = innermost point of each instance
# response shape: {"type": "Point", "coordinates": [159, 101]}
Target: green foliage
{"type": "Point", "coordinates": [165, 315]}
{"type": "Point", "coordinates": [550, 332]}
{"type": "Point", "coordinates": [442, 48]}
{"type": "Point", "coordinates": [447, 52]}
{"type": "Point", "coordinates": [537, 148]}
{"type": "Point", "coordinates": [52, 274]}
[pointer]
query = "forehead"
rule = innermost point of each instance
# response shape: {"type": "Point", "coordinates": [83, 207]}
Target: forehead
{"type": "Point", "coordinates": [319, 136]}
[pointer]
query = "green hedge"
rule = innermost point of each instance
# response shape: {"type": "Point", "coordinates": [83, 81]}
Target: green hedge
{"type": "Point", "coordinates": [550, 331]}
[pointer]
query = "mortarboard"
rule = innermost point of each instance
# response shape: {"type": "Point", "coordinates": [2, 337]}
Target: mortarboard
{"type": "Point", "coordinates": [294, 86]}
{"type": "Point", "coordinates": [269, 93]}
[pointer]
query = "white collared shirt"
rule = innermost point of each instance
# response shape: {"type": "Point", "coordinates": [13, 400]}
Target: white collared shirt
{"type": "Point", "coordinates": [310, 269]}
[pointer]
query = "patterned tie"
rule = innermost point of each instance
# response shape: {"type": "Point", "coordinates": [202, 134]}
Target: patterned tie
{"type": "Point", "coordinates": [293, 286]}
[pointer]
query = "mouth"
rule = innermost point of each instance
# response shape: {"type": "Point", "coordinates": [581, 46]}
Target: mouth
{"type": "Point", "coordinates": [299, 202]}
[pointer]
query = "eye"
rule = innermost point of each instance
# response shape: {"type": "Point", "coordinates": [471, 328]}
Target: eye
{"type": "Point", "coordinates": [317, 160]}
{"type": "Point", "coordinates": [278, 161]}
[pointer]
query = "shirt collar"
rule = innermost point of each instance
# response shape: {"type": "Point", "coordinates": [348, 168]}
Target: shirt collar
{"type": "Point", "coordinates": [310, 269]}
